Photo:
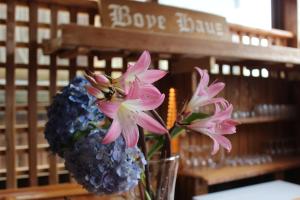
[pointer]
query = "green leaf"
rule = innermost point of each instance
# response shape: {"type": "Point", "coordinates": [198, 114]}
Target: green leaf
{"type": "Point", "coordinates": [195, 116]}
{"type": "Point", "coordinates": [175, 132]}
{"type": "Point", "coordinates": [159, 143]}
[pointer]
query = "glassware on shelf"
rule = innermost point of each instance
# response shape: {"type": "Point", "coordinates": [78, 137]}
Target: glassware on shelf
{"type": "Point", "coordinates": [281, 146]}
{"type": "Point", "coordinates": [270, 110]}
{"type": "Point", "coordinates": [248, 160]}
{"type": "Point", "coordinates": [197, 156]}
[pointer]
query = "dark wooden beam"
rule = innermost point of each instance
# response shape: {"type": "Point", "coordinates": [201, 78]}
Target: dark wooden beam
{"type": "Point", "coordinates": [10, 97]}
{"type": "Point", "coordinates": [285, 16]}
{"type": "Point", "coordinates": [103, 39]}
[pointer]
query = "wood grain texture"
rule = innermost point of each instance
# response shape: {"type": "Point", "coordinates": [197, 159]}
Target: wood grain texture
{"type": "Point", "coordinates": [152, 17]}
{"type": "Point", "coordinates": [53, 178]}
{"type": "Point", "coordinates": [227, 174]}
{"type": "Point", "coordinates": [73, 191]}
{"type": "Point", "coordinates": [32, 95]}
{"type": "Point", "coordinates": [10, 98]}
{"type": "Point", "coordinates": [106, 38]}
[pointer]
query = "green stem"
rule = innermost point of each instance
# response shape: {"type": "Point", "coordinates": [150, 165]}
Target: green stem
{"type": "Point", "coordinates": [174, 132]}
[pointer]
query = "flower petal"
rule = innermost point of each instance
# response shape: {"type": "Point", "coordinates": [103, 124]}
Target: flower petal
{"type": "Point", "coordinates": [204, 80]}
{"type": "Point", "coordinates": [215, 88]}
{"type": "Point", "coordinates": [113, 132]}
{"type": "Point", "coordinates": [109, 108]}
{"type": "Point", "coordinates": [227, 127]}
{"type": "Point", "coordinates": [220, 140]}
{"type": "Point", "coordinates": [150, 76]}
{"type": "Point", "coordinates": [141, 65]}
{"type": "Point", "coordinates": [140, 90]}
{"type": "Point", "coordinates": [199, 124]}
{"type": "Point", "coordinates": [94, 92]}
{"type": "Point", "coordinates": [150, 124]}
{"type": "Point", "coordinates": [100, 78]}
{"type": "Point", "coordinates": [144, 105]}
{"type": "Point", "coordinates": [131, 135]}
{"type": "Point", "coordinates": [222, 115]}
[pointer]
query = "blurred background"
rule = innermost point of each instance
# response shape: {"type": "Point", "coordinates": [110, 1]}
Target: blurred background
{"type": "Point", "coordinates": [262, 82]}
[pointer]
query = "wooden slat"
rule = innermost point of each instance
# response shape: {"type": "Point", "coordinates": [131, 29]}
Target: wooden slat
{"type": "Point", "coordinates": [40, 106]}
{"type": "Point", "coordinates": [61, 191]}
{"type": "Point", "coordinates": [106, 38]}
{"type": "Point", "coordinates": [227, 174]}
{"type": "Point", "coordinates": [26, 169]}
{"type": "Point", "coordinates": [32, 95]}
{"type": "Point", "coordinates": [73, 62]}
{"type": "Point", "coordinates": [91, 57]}
{"type": "Point", "coordinates": [263, 119]}
{"type": "Point", "coordinates": [22, 127]}
{"type": "Point", "coordinates": [24, 148]}
{"type": "Point", "coordinates": [90, 4]}
{"type": "Point", "coordinates": [10, 97]}
{"type": "Point", "coordinates": [261, 32]}
{"type": "Point", "coordinates": [53, 178]}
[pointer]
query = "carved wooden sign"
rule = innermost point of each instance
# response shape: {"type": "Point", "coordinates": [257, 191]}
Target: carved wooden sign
{"type": "Point", "coordinates": [145, 16]}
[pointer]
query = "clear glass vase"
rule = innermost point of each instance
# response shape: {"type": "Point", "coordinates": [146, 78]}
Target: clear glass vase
{"type": "Point", "coordinates": [163, 174]}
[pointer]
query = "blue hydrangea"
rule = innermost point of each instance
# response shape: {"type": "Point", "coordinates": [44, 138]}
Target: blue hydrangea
{"type": "Point", "coordinates": [100, 168]}
{"type": "Point", "coordinates": [104, 169]}
{"type": "Point", "coordinates": [72, 109]}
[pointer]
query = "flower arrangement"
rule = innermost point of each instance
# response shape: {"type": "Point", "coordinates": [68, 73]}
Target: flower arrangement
{"type": "Point", "coordinates": [96, 124]}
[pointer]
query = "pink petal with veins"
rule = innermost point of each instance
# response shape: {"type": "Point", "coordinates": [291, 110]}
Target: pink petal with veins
{"type": "Point", "coordinates": [152, 75]}
{"type": "Point", "coordinates": [144, 105]}
{"type": "Point", "coordinates": [150, 124]}
{"type": "Point", "coordinates": [109, 108]}
{"type": "Point", "coordinates": [130, 133]}
{"type": "Point", "coordinates": [215, 89]}
{"type": "Point", "coordinates": [220, 140]}
{"type": "Point", "coordinates": [141, 65]}
{"type": "Point", "coordinates": [113, 132]}
{"type": "Point", "coordinates": [145, 92]}
{"type": "Point", "coordinates": [204, 80]}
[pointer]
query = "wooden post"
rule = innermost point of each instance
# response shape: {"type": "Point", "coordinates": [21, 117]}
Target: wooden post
{"type": "Point", "coordinates": [32, 95]}
{"type": "Point", "coordinates": [91, 57]}
{"type": "Point", "coordinates": [285, 16]}
{"type": "Point", "coordinates": [53, 177]}
{"type": "Point", "coordinates": [73, 62]}
{"type": "Point", "coordinates": [10, 98]}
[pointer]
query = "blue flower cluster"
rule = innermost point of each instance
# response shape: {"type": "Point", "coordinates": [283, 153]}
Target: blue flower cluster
{"type": "Point", "coordinates": [104, 169]}
{"type": "Point", "coordinates": [71, 111]}
{"type": "Point", "coordinates": [100, 168]}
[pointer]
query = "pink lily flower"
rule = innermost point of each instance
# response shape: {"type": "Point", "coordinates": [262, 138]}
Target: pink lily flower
{"type": "Point", "coordinates": [129, 113]}
{"type": "Point", "coordinates": [216, 127]}
{"type": "Point", "coordinates": [140, 71]}
{"type": "Point", "coordinates": [205, 94]}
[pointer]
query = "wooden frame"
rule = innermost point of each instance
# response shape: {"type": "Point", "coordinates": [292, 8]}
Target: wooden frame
{"type": "Point", "coordinates": [181, 53]}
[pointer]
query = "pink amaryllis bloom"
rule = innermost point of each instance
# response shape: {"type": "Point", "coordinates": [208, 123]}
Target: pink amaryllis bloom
{"type": "Point", "coordinates": [130, 112]}
{"type": "Point", "coordinates": [139, 71]}
{"type": "Point", "coordinates": [205, 94]}
{"type": "Point", "coordinates": [216, 127]}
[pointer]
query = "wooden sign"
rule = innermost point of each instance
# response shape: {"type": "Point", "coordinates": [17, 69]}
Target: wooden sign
{"type": "Point", "coordinates": [146, 16]}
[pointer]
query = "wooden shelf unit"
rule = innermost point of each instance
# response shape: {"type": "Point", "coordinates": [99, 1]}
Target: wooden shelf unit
{"type": "Point", "coordinates": [227, 174]}
{"type": "Point", "coordinates": [71, 43]}
{"type": "Point", "coordinates": [72, 190]}
{"type": "Point", "coordinates": [263, 119]}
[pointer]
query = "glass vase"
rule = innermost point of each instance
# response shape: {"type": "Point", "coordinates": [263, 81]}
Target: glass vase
{"type": "Point", "coordinates": [162, 180]}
